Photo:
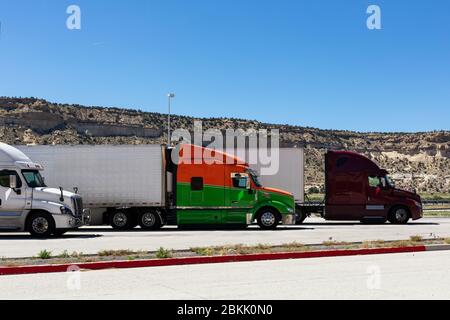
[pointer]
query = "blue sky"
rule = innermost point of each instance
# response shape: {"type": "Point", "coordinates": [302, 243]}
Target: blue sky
{"type": "Point", "coordinates": [310, 63]}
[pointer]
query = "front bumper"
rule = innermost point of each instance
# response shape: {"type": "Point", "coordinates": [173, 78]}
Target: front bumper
{"type": "Point", "coordinates": [67, 221]}
{"type": "Point", "coordinates": [417, 213]}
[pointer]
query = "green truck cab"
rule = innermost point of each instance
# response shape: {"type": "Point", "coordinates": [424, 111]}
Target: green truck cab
{"type": "Point", "coordinates": [214, 188]}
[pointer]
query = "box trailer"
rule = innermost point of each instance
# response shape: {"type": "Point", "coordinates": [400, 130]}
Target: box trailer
{"type": "Point", "coordinates": [106, 176]}
{"type": "Point", "coordinates": [129, 185]}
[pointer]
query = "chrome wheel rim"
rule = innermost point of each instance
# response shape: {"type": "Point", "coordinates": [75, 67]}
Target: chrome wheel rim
{"type": "Point", "coordinates": [148, 219]}
{"type": "Point", "coordinates": [401, 215]}
{"type": "Point", "coordinates": [120, 219]}
{"type": "Point", "coordinates": [40, 225]}
{"type": "Point", "coordinates": [268, 219]}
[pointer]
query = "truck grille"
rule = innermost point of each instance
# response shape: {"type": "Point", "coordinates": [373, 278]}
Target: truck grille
{"type": "Point", "coordinates": [78, 206]}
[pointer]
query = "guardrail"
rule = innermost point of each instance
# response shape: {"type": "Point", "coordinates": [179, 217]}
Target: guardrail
{"type": "Point", "coordinates": [425, 202]}
{"type": "Point", "coordinates": [428, 202]}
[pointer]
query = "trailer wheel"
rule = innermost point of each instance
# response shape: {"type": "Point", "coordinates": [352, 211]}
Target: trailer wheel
{"type": "Point", "coordinates": [149, 220]}
{"type": "Point", "coordinates": [399, 215]}
{"type": "Point", "coordinates": [120, 220]}
{"type": "Point", "coordinates": [40, 225]}
{"type": "Point", "coordinates": [268, 219]}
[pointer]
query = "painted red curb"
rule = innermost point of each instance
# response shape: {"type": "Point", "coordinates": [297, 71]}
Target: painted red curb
{"type": "Point", "coordinates": [201, 260]}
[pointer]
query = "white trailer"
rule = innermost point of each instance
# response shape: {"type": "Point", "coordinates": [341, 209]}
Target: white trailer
{"type": "Point", "coordinates": [106, 176]}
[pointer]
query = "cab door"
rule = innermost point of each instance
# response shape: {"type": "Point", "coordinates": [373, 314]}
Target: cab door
{"type": "Point", "coordinates": [12, 201]}
{"type": "Point", "coordinates": [200, 194]}
{"type": "Point", "coordinates": [240, 198]}
{"type": "Point", "coordinates": [376, 197]}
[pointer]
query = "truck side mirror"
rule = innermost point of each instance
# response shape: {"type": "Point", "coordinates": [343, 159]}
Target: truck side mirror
{"type": "Point", "coordinates": [13, 181]}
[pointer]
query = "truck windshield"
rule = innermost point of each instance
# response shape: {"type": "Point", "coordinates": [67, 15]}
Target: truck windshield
{"type": "Point", "coordinates": [33, 178]}
{"type": "Point", "coordinates": [390, 182]}
{"type": "Point", "coordinates": [255, 177]}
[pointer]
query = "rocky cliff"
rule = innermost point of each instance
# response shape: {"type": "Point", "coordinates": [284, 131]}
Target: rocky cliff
{"type": "Point", "coordinates": [417, 160]}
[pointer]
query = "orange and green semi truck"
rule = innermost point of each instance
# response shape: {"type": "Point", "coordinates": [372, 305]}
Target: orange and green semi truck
{"type": "Point", "coordinates": [126, 186]}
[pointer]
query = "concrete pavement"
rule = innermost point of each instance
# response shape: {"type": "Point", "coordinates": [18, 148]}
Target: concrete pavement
{"type": "Point", "coordinates": [91, 240]}
{"type": "Point", "coordinates": [399, 276]}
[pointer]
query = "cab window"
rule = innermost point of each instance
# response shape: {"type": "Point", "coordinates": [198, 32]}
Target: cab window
{"type": "Point", "coordinates": [197, 184]}
{"type": "Point", "coordinates": [374, 182]}
{"type": "Point", "coordinates": [4, 178]}
{"type": "Point", "coordinates": [240, 181]}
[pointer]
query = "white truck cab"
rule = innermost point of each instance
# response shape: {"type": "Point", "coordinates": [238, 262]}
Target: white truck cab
{"type": "Point", "coordinates": [27, 204]}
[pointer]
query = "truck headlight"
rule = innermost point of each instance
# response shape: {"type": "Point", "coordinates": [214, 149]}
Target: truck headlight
{"type": "Point", "coordinates": [65, 210]}
{"type": "Point", "coordinates": [290, 210]}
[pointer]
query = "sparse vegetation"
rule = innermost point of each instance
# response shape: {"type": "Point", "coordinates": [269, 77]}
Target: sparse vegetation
{"type": "Point", "coordinates": [416, 238]}
{"type": "Point", "coordinates": [330, 243]}
{"type": "Point", "coordinates": [64, 254]}
{"type": "Point", "coordinates": [44, 254]}
{"type": "Point", "coordinates": [163, 253]}
{"type": "Point", "coordinates": [115, 253]}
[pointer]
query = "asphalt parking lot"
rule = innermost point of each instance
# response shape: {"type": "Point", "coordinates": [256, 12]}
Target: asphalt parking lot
{"type": "Point", "coordinates": [399, 276]}
{"type": "Point", "coordinates": [91, 240]}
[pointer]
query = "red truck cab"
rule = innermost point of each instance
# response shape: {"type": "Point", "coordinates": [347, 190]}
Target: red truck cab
{"type": "Point", "coordinates": [357, 189]}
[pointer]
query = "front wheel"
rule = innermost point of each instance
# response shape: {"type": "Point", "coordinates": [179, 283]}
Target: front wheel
{"type": "Point", "coordinates": [149, 220]}
{"type": "Point", "coordinates": [399, 215]}
{"type": "Point", "coordinates": [41, 225]}
{"type": "Point", "coordinates": [268, 219]}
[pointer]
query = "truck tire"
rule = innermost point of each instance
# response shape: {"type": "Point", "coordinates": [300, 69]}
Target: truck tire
{"type": "Point", "coordinates": [268, 219]}
{"type": "Point", "coordinates": [120, 220]}
{"type": "Point", "coordinates": [40, 225]}
{"type": "Point", "coordinates": [149, 220]}
{"type": "Point", "coordinates": [399, 215]}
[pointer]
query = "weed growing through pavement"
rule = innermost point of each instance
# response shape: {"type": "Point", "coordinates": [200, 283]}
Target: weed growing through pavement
{"type": "Point", "coordinates": [44, 254]}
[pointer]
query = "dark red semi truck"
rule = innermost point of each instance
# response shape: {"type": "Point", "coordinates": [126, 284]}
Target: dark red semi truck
{"type": "Point", "coordinates": [358, 189]}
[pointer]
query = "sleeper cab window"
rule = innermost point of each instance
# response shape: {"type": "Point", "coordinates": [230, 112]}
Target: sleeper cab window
{"type": "Point", "coordinates": [197, 184]}
{"type": "Point", "coordinates": [239, 181]}
{"type": "Point", "coordinates": [4, 178]}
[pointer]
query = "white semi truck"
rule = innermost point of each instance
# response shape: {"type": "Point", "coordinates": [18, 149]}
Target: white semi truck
{"type": "Point", "coordinates": [27, 204]}
{"type": "Point", "coordinates": [127, 185]}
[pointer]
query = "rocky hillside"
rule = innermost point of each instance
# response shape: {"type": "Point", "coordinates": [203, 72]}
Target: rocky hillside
{"type": "Point", "coordinates": [418, 160]}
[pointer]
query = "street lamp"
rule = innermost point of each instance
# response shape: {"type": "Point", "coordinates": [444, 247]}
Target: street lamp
{"type": "Point", "coordinates": [170, 97]}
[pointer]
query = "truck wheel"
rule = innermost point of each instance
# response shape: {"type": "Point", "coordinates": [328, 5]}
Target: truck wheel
{"type": "Point", "coordinates": [149, 220]}
{"type": "Point", "coordinates": [40, 225]}
{"type": "Point", "coordinates": [399, 215]}
{"type": "Point", "coordinates": [120, 220]}
{"type": "Point", "coordinates": [268, 219]}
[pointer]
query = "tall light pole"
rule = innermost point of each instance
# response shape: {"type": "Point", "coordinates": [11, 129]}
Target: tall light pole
{"type": "Point", "coordinates": [170, 97]}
